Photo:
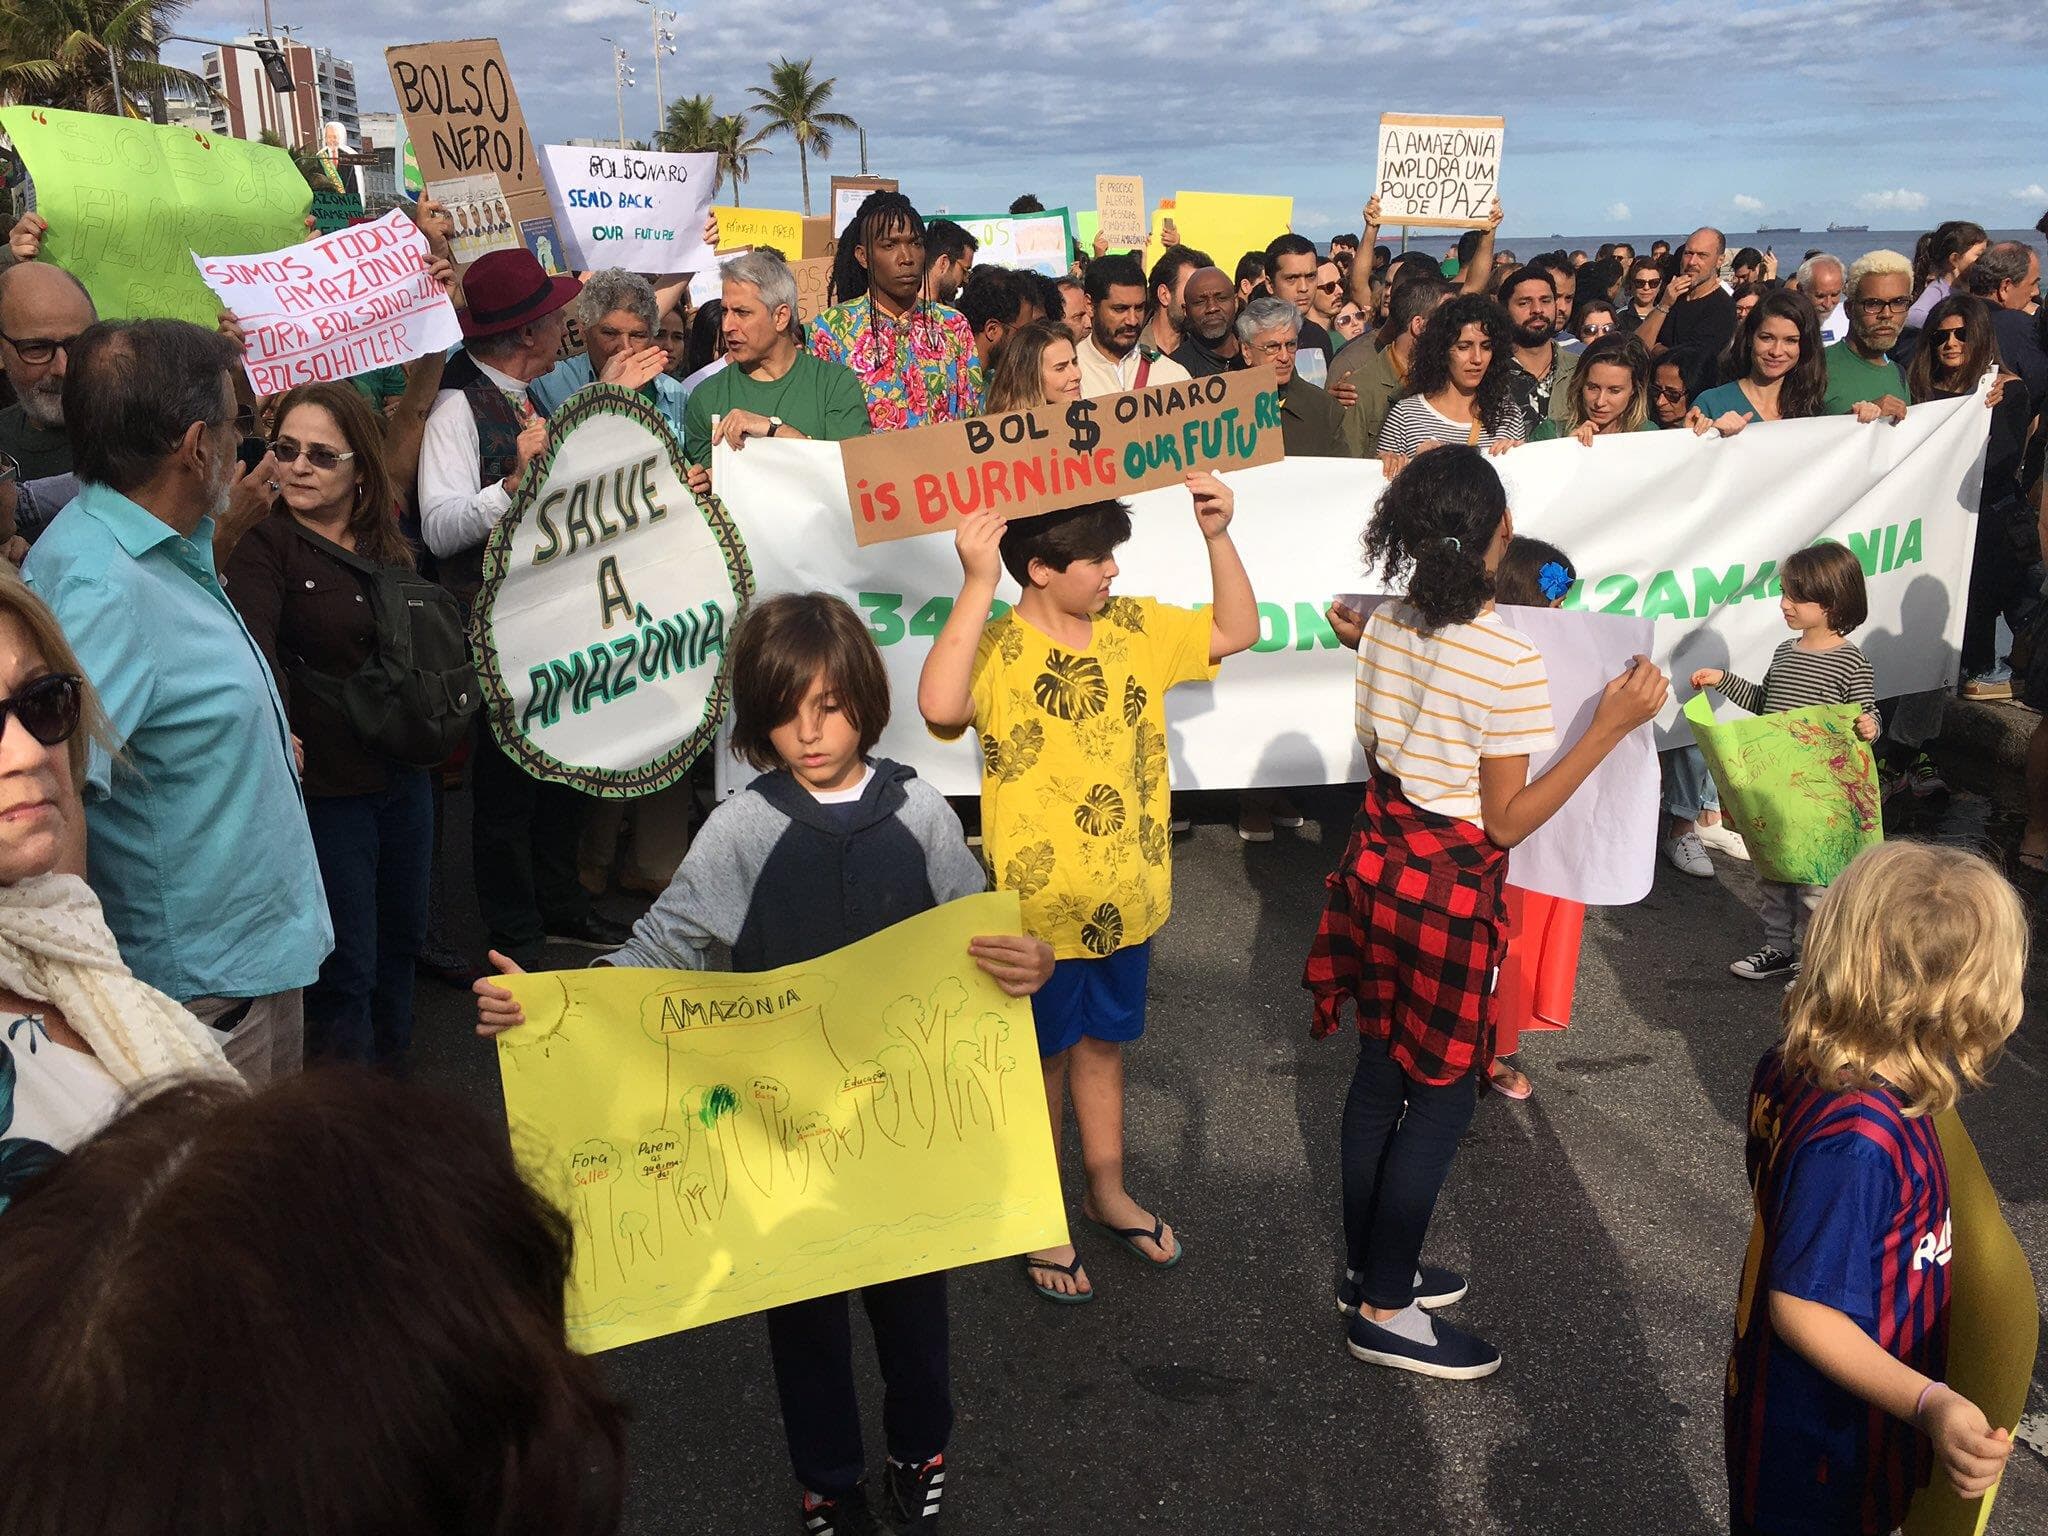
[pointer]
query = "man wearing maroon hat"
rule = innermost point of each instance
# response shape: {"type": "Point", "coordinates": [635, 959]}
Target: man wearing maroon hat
{"type": "Point", "coordinates": [480, 436]}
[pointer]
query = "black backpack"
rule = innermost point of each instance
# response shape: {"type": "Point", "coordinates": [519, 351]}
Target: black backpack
{"type": "Point", "coordinates": [412, 698]}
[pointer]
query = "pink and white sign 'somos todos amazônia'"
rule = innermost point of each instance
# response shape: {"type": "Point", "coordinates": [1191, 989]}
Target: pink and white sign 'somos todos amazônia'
{"type": "Point", "coordinates": [342, 304]}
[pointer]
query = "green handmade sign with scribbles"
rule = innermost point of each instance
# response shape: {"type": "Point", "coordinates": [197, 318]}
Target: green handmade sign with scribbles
{"type": "Point", "coordinates": [1801, 787]}
{"type": "Point", "coordinates": [129, 204]}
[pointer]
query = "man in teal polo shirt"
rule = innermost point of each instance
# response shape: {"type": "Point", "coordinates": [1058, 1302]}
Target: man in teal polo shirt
{"type": "Point", "coordinates": [198, 846]}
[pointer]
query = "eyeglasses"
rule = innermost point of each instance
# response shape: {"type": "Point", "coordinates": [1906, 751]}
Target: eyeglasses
{"type": "Point", "coordinates": [1646, 282]}
{"type": "Point", "coordinates": [1595, 328]}
{"type": "Point", "coordinates": [35, 350]}
{"type": "Point", "coordinates": [1665, 392]}
{"type": "Point", "coordinates": [1336, 287]}
{"type": "Point", "coordinates": [1943, 332]}
{"type": "Point", "coordinates": [1896, 306]}
{"type": "Point", "coordinates": [1276, 348]}
{"type": "Point", "coordinates": [319, 455]}
{"type": "Point", "coordinates": [47, 708]}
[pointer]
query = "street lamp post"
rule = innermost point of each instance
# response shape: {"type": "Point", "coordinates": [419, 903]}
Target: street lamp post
{"type": "Point", "coordinates": [622, 80]}
{"type": "Point", "coordinates": [664, 42]}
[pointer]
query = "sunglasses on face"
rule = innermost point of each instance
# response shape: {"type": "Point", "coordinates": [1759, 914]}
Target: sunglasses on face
{"type": "Point", "coordinates": [1330, 287]}
{"type": "Point", "coordinates": [318, 455]}
{"type": "Point", "coordinates": [1943, 333]}
{"type": "Point", "coordinates": [1647, 282]}
{"type": "Point", "coordinates": [1665, 392]}
{"type": "Point", "coordinates": [47, 708]}
{"type": "Point", "coordinates": [1597, 327]}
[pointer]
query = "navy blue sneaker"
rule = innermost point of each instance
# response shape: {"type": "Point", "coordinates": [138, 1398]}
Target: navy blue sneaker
{"type": "Point", "coordinates": [1434, 1287]}
{"type": "Point", "coordinates": [1455, 1356]}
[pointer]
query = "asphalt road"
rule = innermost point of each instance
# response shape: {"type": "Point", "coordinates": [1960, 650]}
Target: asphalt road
{"type": "Point", "coordinates": [1602, 1224]}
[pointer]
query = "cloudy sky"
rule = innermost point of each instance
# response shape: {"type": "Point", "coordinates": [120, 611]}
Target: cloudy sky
{"type": "Point", "coordinates": [1639, 120]}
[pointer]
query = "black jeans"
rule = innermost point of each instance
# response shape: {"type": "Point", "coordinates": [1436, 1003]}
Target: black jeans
{"type": "Point", "coordinates": [1399, 1138]}
{"type": "Point", "coordinates": [2005, 582]}
{"type": "Point", "coordinates": [812, 1344]}
{"type": "Point", "coordinates": [374, 855]}
{"type": "Point", "coordinates": [523, 838]}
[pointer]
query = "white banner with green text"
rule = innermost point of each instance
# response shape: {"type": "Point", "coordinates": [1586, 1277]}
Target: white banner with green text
{"type": "Point", "coordinates": [1682, 530]}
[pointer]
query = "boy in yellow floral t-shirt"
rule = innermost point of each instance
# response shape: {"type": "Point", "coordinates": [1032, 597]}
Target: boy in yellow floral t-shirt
{"type": "Point", "coordinates": [1067, 695]}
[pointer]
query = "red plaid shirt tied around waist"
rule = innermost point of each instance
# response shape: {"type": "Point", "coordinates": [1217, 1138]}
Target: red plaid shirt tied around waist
{"type": "Point", "coordinates": [1413, 933]}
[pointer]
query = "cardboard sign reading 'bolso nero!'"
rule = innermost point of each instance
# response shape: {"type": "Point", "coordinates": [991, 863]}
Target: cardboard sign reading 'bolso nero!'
{"type": "Point", "coordinates": [1021, 463]}
{"type": "Point", "coordinates": [609, 593]}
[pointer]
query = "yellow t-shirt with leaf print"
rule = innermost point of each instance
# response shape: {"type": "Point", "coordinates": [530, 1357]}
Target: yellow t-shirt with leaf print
{"type": "Point", "coordinates": [1074, 789]}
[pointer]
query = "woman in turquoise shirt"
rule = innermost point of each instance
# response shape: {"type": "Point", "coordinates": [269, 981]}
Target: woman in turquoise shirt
{"type": "Point", "coordinates": [1786, 377]}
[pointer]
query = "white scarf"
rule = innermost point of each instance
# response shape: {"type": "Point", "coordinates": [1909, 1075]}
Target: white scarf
{"type": "Point", "coordinates": [55, 947]}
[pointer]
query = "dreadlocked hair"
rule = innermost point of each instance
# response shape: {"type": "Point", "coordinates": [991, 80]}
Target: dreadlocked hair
{"type": "Point", "coordinates": [880, 213]}
{"type": "Point", "coordinates": [1435, 521]}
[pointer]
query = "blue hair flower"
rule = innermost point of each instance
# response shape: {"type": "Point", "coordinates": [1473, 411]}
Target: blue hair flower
{"type": "Point", "coordinates": [1555, 580]}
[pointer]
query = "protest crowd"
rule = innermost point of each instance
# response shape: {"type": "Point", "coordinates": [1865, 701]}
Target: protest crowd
{"type": "Point", "coordinates": [237, 697]}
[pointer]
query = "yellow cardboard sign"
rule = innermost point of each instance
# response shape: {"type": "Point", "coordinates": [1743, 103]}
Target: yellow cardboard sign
{"type": "Point", "coordinates": [725, 1143]}
{"type": "Point", "coordinates": [743, 228]}
{"type": "Point", "coordinates": [1227, 224]}
{"type": "Point", "coordinates": [1994, 1328]}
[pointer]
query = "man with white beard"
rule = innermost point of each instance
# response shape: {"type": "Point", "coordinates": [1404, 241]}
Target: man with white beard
{"type": "Point", "coordinates": [42, 310]}
{"type": "Point", "coordinates": [201, 772]}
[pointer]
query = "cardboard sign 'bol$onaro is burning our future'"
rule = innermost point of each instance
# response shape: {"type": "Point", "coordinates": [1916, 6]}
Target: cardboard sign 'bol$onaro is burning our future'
{"type": "Point", "coordinates": [1021, 463]}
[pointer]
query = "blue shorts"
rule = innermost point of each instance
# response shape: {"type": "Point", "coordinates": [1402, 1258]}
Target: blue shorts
{"type": "Point", "coordinates": [1102, 999]}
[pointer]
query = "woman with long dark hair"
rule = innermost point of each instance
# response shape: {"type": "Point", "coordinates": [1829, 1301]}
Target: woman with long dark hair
{"type": "Point", "coordinates": [298, 581]}
{"type": "Point", "coordinates": [1782, 374]}
{"type": "Point", "coordinates": [1940, 263]}
{"type": "Point", "coordinates": [1956, 348]}
{"type": "Point", "coordinates": [1457, 389]}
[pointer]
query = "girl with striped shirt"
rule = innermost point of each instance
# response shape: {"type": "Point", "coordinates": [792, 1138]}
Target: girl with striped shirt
{"type": "Point", "coordinates": [1823, 598]}
{"type": "Point", "coordinates": [1457, 390]}
{"type": "Point", "coordinates": [1451, 702]}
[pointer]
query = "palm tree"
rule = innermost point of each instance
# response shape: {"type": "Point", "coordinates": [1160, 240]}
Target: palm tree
{"type": "Point", "coordinates": [794, 103]}
{"type": "Point", "coordinates": [54, 53]}
{"type": "Point", "coordinates": [318, 176]}
{"type": "Point", "coordinates": [735, 147]}
{"type": "Point", "coordinates": [688, 127]}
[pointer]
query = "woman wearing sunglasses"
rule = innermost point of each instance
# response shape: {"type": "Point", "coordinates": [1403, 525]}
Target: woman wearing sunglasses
{"type": "Point", "coordinates": [308, 607]}
{"type": "Point", "coordinates": [1956, 348]}
{"type": "Point", "coordinates": [78, 1032]}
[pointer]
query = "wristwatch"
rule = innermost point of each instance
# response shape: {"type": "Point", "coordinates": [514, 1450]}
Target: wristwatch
{"type": "Point", "coordinates": [774, 425]}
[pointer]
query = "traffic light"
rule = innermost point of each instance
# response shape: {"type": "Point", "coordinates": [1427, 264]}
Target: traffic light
{"type": "Point", "coordinates": [275, 65]}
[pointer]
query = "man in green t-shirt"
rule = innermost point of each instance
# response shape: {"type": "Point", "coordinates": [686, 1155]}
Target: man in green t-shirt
{"type": "Point", "coordinates": [1863, 381]}
{"type": "Point", "coordinates": [770, 385]}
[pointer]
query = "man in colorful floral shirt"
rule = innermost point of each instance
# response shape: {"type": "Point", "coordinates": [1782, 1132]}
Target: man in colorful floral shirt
{"type": "Point", "coordinates": [915, 359]}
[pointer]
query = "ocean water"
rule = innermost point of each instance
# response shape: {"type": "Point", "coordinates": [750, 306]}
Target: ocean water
{"type": "Point", "coordinates": [1791, 248]}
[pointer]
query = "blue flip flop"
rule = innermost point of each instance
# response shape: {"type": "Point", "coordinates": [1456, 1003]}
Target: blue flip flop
{"type": "Point", "coordinates": [1130, 1236]}
{"type": "Point", "coordinates": [1071, 1271]}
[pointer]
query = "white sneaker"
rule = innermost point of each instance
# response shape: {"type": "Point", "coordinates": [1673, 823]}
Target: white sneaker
{"type": "Point", "coordinates": [1722, 838]}
{"type": "Point", "coordinates": [1684, 853]}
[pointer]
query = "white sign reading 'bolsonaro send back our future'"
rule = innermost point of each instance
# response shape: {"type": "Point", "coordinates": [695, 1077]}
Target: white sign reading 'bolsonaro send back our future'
{"type": "Point", "coordinates": [609, 594]}
{"type": "Point", "coordinates": [640, 209]}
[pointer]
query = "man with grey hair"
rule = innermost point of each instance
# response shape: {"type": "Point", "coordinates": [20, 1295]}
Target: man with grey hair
{"type": "Point", "coordinates": [197, 841]}
{"type": "Point", "coordinates": [2010, 281]}
{"type": "Point", "coordinates": [1311, 423]}
{"type": "Point", "coordinates": [1821, 279]}
{"type": "Point", "coordinates": [616, 311]}
{"type": "Point", "coordinates": [770, 386]}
